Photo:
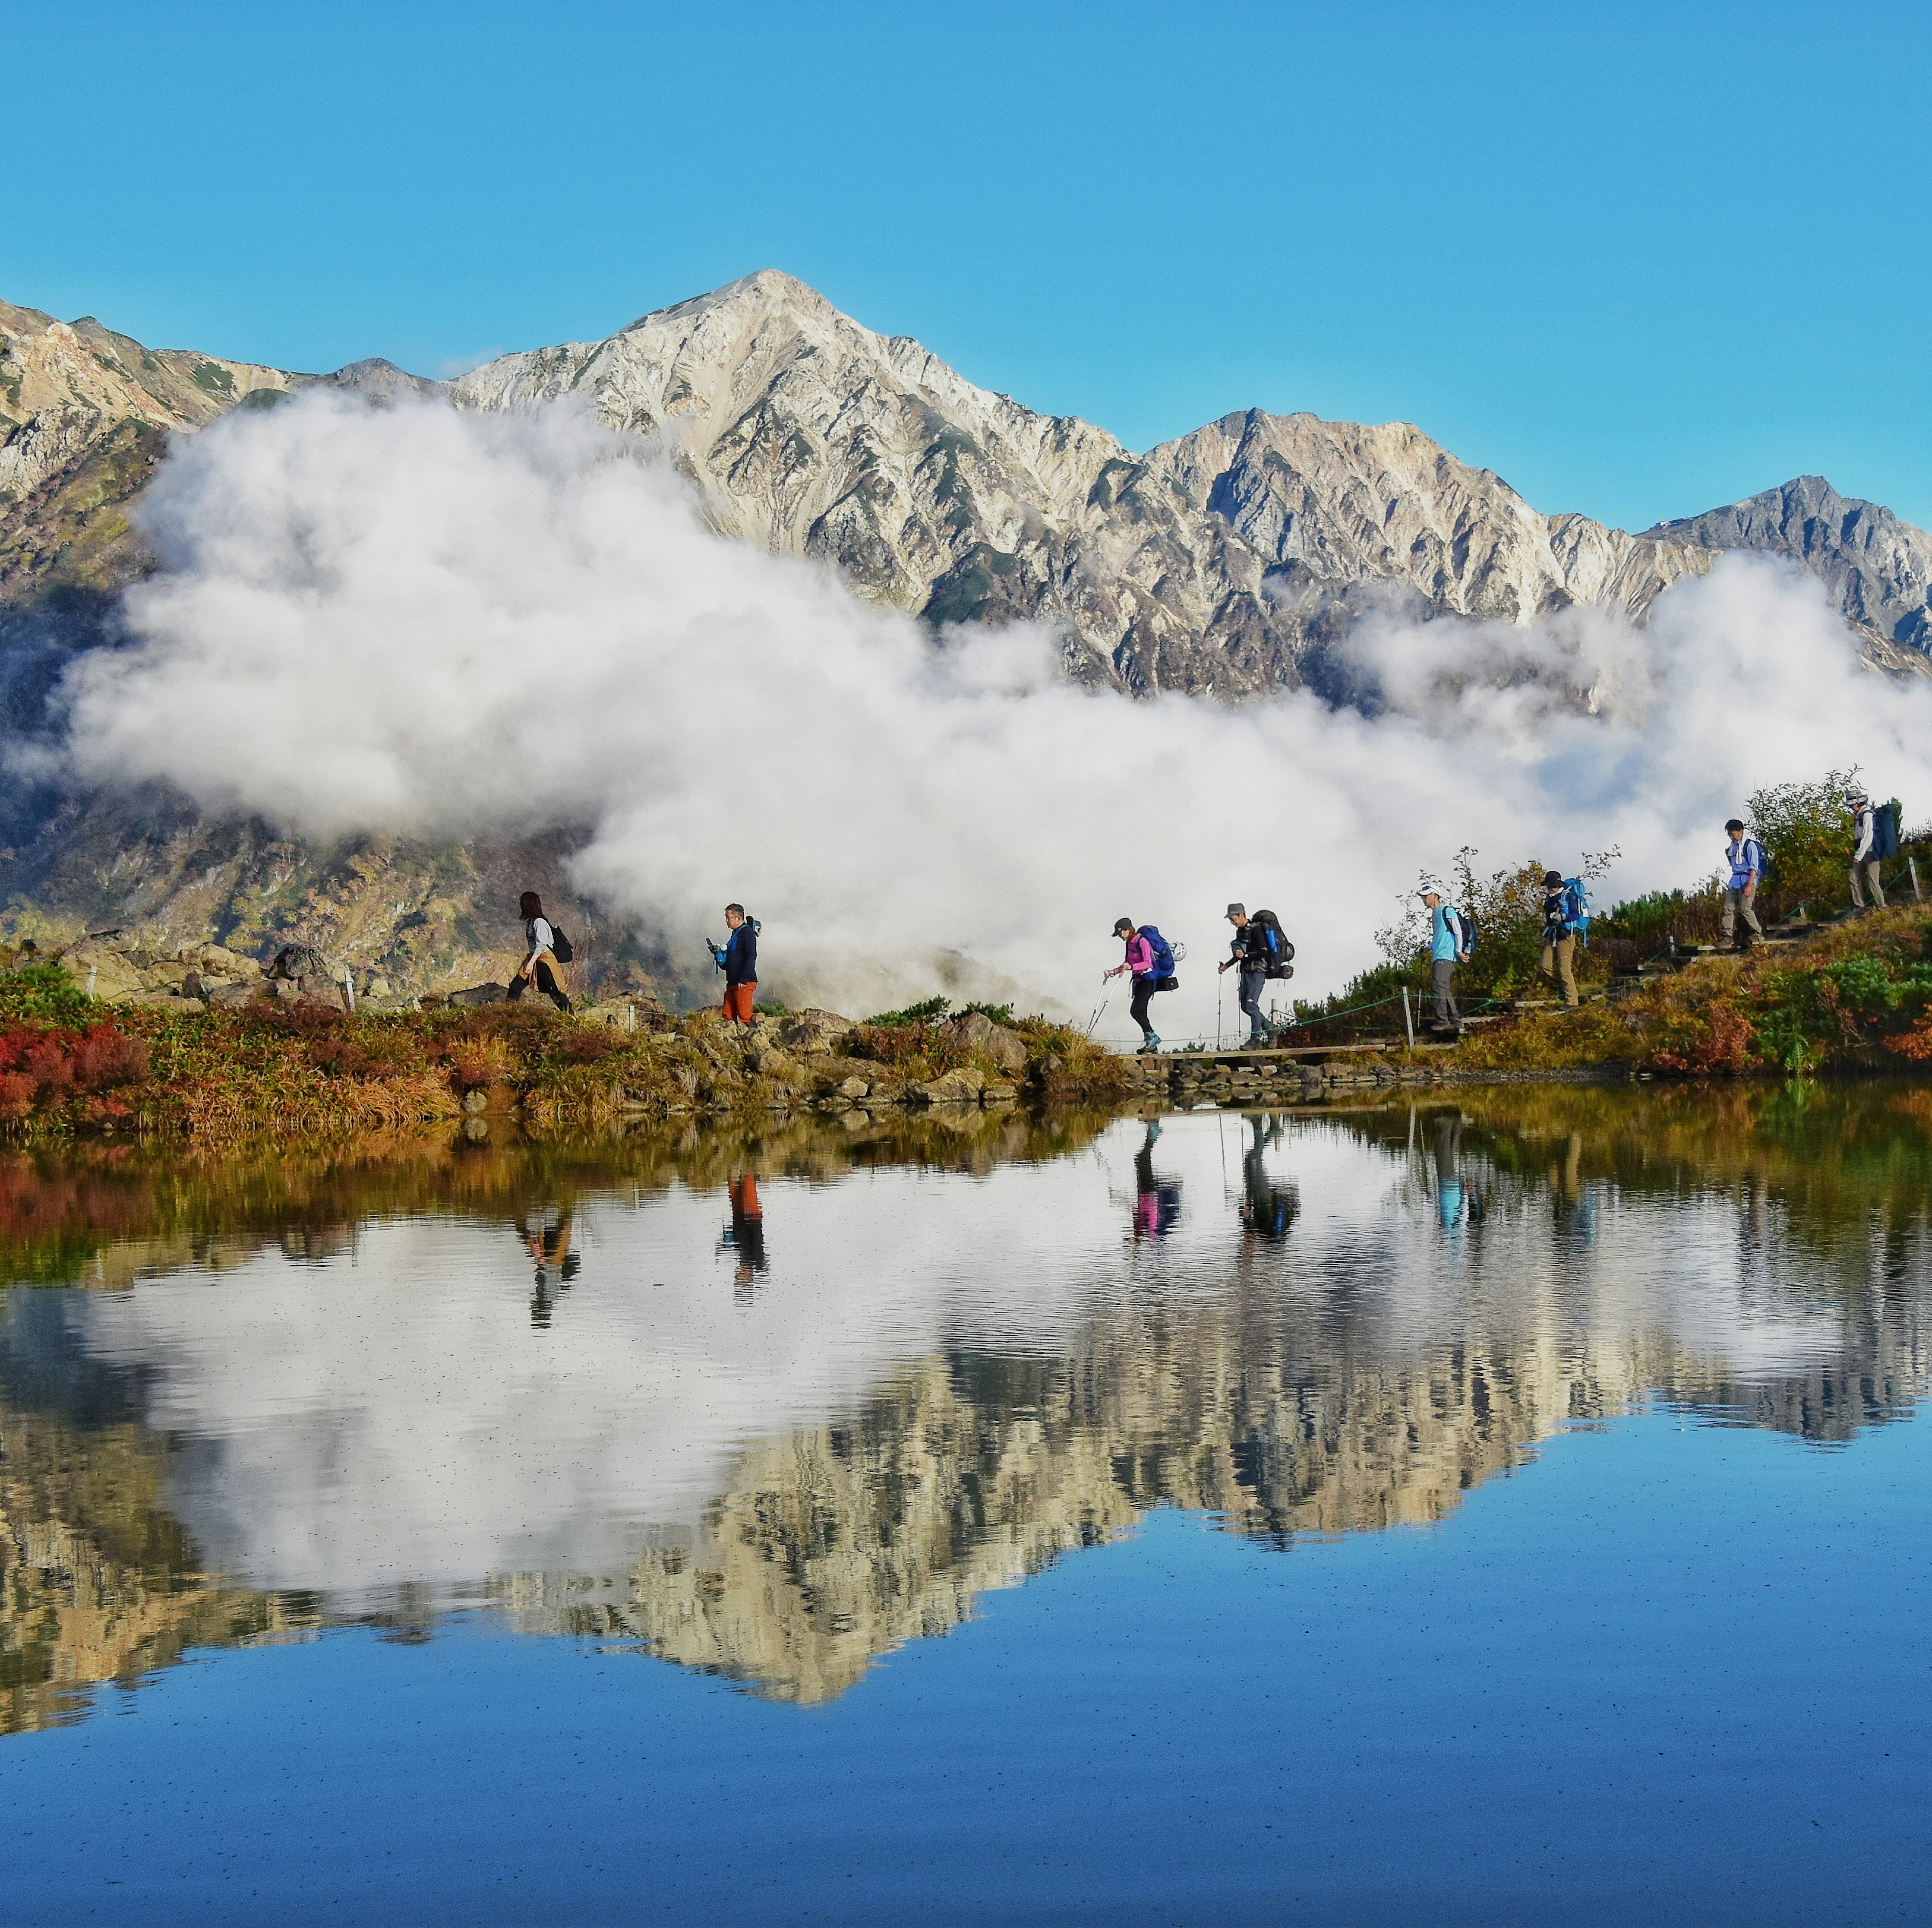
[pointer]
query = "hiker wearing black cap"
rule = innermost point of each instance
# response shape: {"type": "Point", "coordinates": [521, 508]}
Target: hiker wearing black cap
{"type": "Point", "coordinates": [1745, 856]}
{"type": "Point", "coordinates": [1251, 950]}
{"type": "Point", "coordinates": [1559, 941]}
{"type": "Point", "coordinates": [1150, 959]}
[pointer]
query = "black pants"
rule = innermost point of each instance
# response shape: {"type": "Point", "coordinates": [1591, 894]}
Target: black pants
{"type": "Point", "coordinates": [546, 982]}
{"type": "Point", "coordinates": [1137, 1008]}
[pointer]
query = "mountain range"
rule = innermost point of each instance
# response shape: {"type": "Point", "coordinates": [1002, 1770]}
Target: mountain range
{"type": "Point", "coordinates": [1229, 561]}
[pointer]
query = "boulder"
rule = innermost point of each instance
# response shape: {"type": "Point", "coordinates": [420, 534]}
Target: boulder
{"type": "Point", "coordinates": [974, 1031]}
{"type": "Point", "coordinates": [851, 1087]}
{"type": "Point", "coordinates": [810, 1031]}
{"type": "Point", "coordinates": [216, 960]}
{"type": "Point", "coordinates": [956, 1087]}
{"type": "Point", "coordinates": [115, 978]}
{"type": "Point", "coordinates": [229, 996]}
{"type": "Point", "coordinates": [479, 993]}
{"type": "Point", "coordinates": [298, 961]}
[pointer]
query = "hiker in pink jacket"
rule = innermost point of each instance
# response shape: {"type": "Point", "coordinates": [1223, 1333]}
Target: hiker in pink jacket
{"type": "Point", "coordinates": [1147, 958]}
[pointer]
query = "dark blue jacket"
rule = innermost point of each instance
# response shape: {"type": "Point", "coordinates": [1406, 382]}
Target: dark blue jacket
{"type": "Point", "coordinates": [741, 956]}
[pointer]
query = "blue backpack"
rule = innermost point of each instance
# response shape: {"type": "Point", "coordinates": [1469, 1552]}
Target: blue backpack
{"type": "Point", "coordinates": [1884, 829]}
{"type": "Point", "coordinates": [1576, 910]}
{"type": "Point", "coordinates": [1465, 930]}
{"type": "Point", "coordinates": [1163, 958]}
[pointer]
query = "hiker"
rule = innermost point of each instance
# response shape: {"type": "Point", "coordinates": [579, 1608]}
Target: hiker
{"type": "Point", "coordinates": [1452, 1201]}
{"type": "Point", "coordinates": [1150, 959]}
{"type": "Point", "coordinates": [1745, 856]}
{"type": "Point", "coordinates": [1261, 951]}
{"type": "Point", "coordinates": [549, 1246]}
{"type": "Point", "coordinates": [745, 1233]}
{"type": "Point", "coordinates": [1269, 1206]}
{"type": "Point", "coordinates": [1559, 938]}
{"type": "Point", "coordinates": [737, 957]}
{"type": "Point", "coordinates": [1868, 850]}
{"type": "Point", "coordinates": [1448, 946]}
{"type": "Point", "coordinates": [540, 967]}
{"type": "Point", "coordinates": [1156, 1201]}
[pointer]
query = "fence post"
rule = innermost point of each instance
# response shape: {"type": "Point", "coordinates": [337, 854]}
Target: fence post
{"type": "Point", "coordinates": [1912, 865]}
{"type": "Point", "coordinates": [1407, 1021]}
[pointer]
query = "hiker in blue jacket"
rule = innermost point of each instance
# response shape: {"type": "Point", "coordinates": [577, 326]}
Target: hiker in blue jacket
{"type": "Point", "coordinates": [1744, 856]}
{"type": "Point", "coordinates": [1448, 946]}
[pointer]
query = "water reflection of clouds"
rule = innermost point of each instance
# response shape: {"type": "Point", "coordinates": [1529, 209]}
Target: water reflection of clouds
{"type": "Point", "coordinates": [389, 1413]}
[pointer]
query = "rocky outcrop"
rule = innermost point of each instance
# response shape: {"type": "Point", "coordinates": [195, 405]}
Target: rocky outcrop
{"type": "Point", "coordinates": [1878, 568]}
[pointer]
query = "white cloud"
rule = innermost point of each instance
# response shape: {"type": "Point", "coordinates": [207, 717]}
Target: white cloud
{"type": "Point", "coordinates": [411, 619]}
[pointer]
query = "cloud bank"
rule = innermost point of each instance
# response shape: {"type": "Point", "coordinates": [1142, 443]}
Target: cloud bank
{"type": "Point", "coordinates": [415, 621]}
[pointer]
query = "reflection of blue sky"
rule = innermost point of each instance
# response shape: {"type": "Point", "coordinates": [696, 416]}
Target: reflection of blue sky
{"type": "Point", "coordinates": [390, 1414]}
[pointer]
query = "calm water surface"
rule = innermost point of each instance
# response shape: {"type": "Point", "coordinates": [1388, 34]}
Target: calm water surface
{"type": "Point", "coordinates": [1416, 1514]}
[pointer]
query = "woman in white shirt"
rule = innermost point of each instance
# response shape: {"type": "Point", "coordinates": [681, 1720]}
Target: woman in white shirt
{"type": "Point", "coordinates": [540, 967]}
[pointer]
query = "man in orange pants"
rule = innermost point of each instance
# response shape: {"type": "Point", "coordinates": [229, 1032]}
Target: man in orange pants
{"type": "Point", "coordinates": [737, 957]}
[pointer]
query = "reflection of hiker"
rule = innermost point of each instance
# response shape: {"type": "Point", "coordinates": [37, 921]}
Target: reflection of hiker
{"type": "Point", "coordinates": [1559, 937]}
{"type": "Point", "coordinates": [557, 1264]}
{"type": "Point", "coordinates": [1156, 1201]}
{"type": "Point", "coordinates": [1448, 946]}
{"type": "Point", "coordinates": [1745, 856]}
{"type": "Point", "coordinates": [548, 948]}
{"type": "Point", "coordinates": [1452, 1203]}
{"type": "Point", "coordinates": [746, 1234]}
{"type": "Point", "coordinates": [1260, 950]}
{"type": "Point", "coordinates": [1268, 1208]}
{"type": "Point", "coordinates": [1150, 959]}
{"type": "Point", "coordinates": [737, 957]}
{"type": "Point", "coordinates": [1867, 849]}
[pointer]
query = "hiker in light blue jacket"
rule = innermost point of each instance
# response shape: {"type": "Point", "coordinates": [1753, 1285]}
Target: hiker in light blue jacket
{"type": "Point", "coordinates": [1448, 946]}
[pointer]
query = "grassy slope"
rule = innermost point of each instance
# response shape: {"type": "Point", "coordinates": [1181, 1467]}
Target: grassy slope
{"type": "Point", "coordinates": [224, 1073]}
{"type": "Point", "coordinates": [1856, 993]}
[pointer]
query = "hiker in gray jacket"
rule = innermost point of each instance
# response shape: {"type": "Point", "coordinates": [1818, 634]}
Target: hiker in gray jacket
{"type": "Point", "coordinates": [1865, 824]}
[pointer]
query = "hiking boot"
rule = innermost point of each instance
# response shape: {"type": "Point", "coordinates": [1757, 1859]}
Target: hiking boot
{"type": "Point", "coordinates": [1258, 1043]}
{"type": "Point", "coordinates": [1151, 1045]}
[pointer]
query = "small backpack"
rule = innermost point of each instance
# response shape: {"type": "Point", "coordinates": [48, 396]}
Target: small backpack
{"type": "Point", "coordinates": [560, 947]}
{"type": "Point", "coordinates": [1465, 931]}
{"type": "Point", "coordinates": [1274, 941]}
{"type": "Point", "coordinates": [1163, 973]}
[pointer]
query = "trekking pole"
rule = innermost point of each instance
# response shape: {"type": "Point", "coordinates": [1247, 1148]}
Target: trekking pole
{"type": "Point", "coordinates": [1408, 1022]}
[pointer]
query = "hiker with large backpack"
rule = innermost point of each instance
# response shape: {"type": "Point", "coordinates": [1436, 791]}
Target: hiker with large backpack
{"type": "Point", "coordinates": [549, 948]}
{"type": "Point", "coordinates": [1260, 950]}
{"type": "Point", "coordinates": [1149, 958]}
{"type": "Point", "coordinates": [1451, 939]}
{"type": "Point", "coordinates": [1744, 855]}
{"type": "Point", "coordinates": [737, 957]}
{"type": "Point", "coordinates": [1876, 829]}
{"type": "Point", "coordinates": [1566, 918]}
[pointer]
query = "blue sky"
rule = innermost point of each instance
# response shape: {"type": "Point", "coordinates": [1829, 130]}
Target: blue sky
{"type": "Point", "coordinates": [1638, 260]}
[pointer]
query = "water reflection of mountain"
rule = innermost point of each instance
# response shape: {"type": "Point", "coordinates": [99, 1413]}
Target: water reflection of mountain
{"type": "Point", "coordinates": [1349, 1325]}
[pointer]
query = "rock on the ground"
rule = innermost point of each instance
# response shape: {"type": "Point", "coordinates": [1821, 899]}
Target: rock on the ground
{"type": "Point", "coordinates": [482, 994]}
{"type": "Point", "coordinates": [809, 1031]}
{"type": "Point", "coordinates": [962, 1086]}
{"type": "Point", "coordinates": [115, 977]}
{"type": "Point", "coordinates": [974, 1031]}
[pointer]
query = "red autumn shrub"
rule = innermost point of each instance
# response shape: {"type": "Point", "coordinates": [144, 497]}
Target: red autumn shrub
{"type": "Point", "coordinates": [43, 1068]}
